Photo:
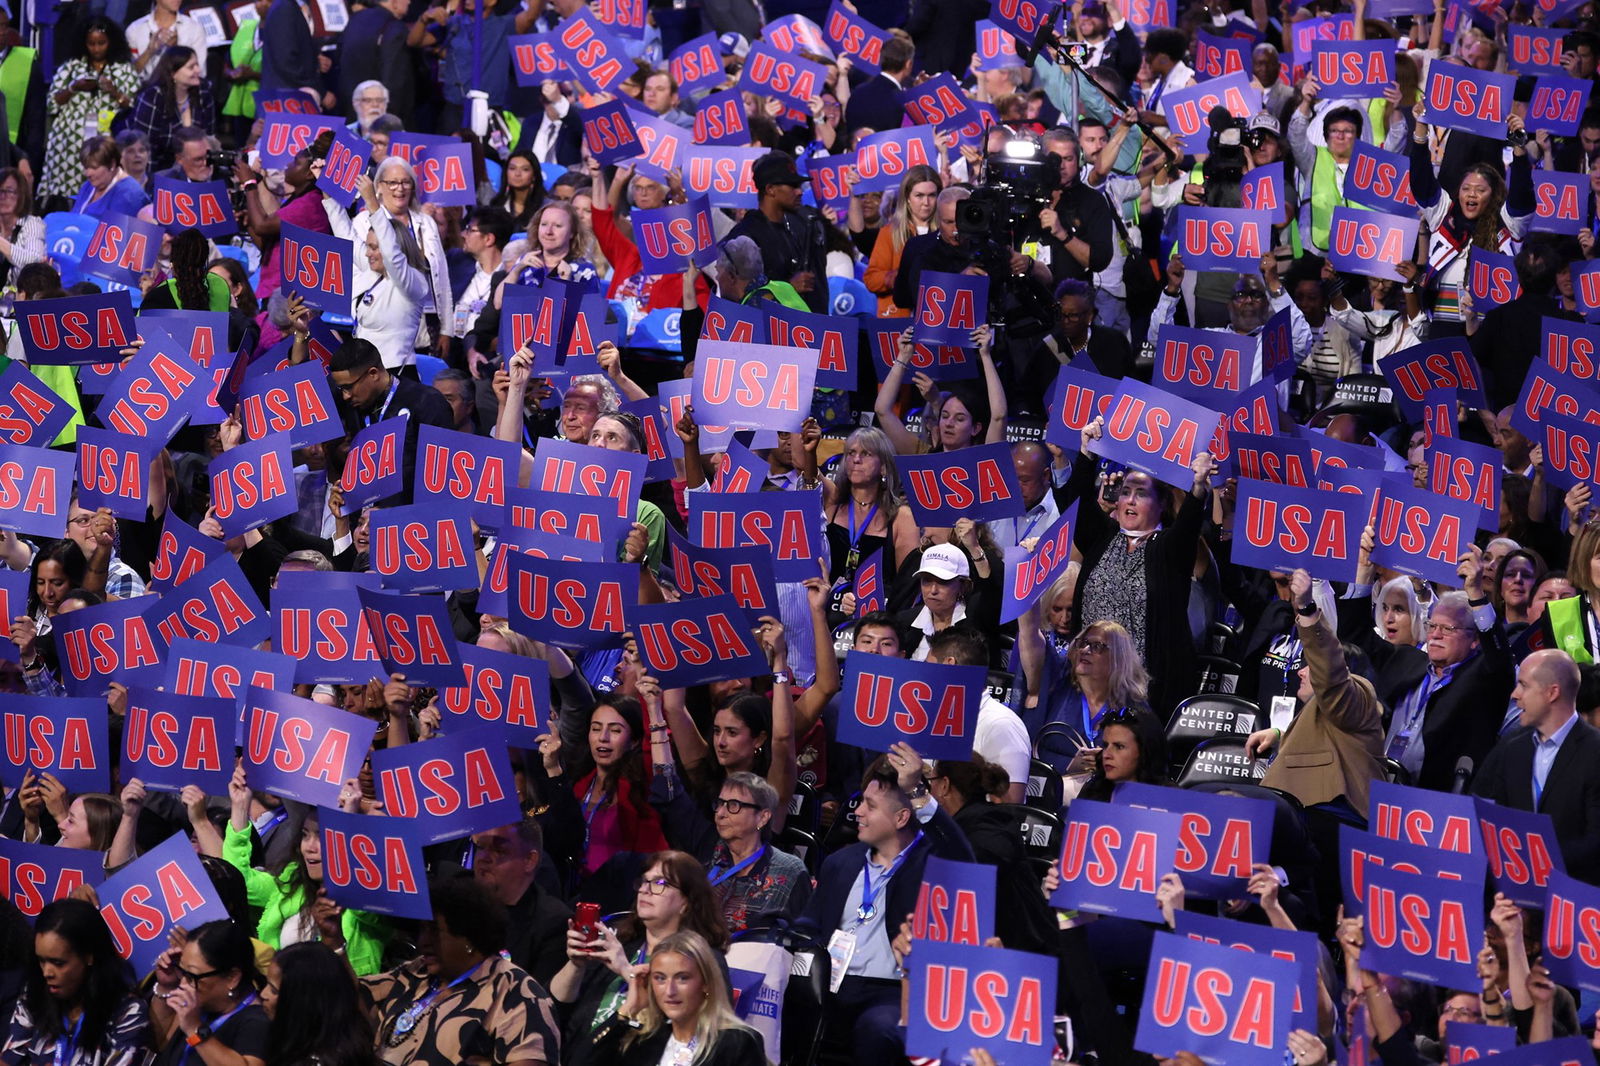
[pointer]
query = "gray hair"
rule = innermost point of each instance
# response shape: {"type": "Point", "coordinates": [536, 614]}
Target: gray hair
{"type": "Point", "coordinates": [610, 402]}
{"type": "Point", "coordinates": [371, 83]}
{"type": "Point", "coordinates": [394, 162]}
{"type": "Point", "coordinates": [309, 557]}
{"type": "Point", "coordinates": [761, 793]}
{"type": "Point", "coordinates": [954, 194]}
{"type": "Point", "coordinates": [1455, 604]}
{"type": "Point", "coordinates": [741, 257]}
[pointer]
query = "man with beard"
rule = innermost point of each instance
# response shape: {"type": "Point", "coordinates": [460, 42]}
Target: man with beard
{"type": "Point", "coordinates": [1255, 299]}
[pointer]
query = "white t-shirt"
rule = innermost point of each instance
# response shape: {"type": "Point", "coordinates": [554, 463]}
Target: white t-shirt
{"type": "Point", "coordinates": [190, 35]}
{"type": "Point", "coordinates": [1002, 739]}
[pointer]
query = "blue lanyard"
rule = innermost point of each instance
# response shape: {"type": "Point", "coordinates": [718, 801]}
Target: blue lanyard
{"type": "Point", "coordinates": [1026, 532]}
{"type": "Point", "coordinates": [857, 533]}
{"type": "Point", "coordinates": [733, 871]}
{"type": "Point", "coordinates": [67, 1046]}
{"type": "Point", "coordinates": [870, 892]}
{"type": "Point", "coordinates": [1091, 723]}
{"type": "Point", "coordinates": [218, 1024]}
{"type": "Point", "coordinates": [387, 400]}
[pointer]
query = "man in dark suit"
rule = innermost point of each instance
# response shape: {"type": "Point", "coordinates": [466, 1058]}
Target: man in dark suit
{"type": "Point", "coordinates": [1501, 344]}
{"type": "Point", "coordinates": [876, 104]}
{"type": "Point", "coordinates": [866, 890]}
{"type": "Point", "coordinates": [506, 861]}
{"type": "Point", "coordinates": [288, 55]}
{"type": "Point", "coordinates": [373, 48]}
{"type": "Point", "coordinates": [944, 32]}
{"type": "Point", "coordinates": [790, 235]}
{"type": "Point", "coordinates": [1552, 764]}
{"type": "Point", "coordinates": [1446, 704]}
{"type": "Point", "coordinates": [1109, 43]}
{"type": "Point", "coordinates": [368, 392]}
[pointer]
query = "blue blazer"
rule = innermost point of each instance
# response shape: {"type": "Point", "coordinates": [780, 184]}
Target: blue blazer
{"type": "Point", "coordinates": [123, 198]}
{"type": "Point", "coordinates": [940, 836]}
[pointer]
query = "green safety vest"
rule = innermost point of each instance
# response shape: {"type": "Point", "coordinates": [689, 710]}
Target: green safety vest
{"type": "Point", "coordinates": [14, 75]}
{"type": "Point", "coordinates": [1566, 622]}
{"type": "Point", "coordinates": [780, 291]}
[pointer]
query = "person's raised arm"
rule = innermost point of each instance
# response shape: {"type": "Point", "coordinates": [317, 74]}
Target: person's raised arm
{"type": "Point", "coordinates": [124, 846]}
{"type": "Point", "coordinates": [508, 424]}
{"type": "Point", "coordinates": [983, 337]}
{"type": "Point", "coordinates": [1507, 917]}
{"type": "Point", "coordinates": [808, 708]}
{"type": "Point", "coordinates": [610, 360]}
{"type": "Point", "coordinates": [905, 442]}
{"type": "Point", "coordinates": [397, 705]}
{"type": "Point", "coordinates": [694, 464]}
{"type": "Point", "coordinates": [784, 769]}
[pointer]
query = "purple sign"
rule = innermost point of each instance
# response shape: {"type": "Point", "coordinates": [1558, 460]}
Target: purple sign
{"type": "Point", "coordinates": [217, 605]}
{"type": "Point", "coordinates": [796, 34]}
{"type": "Point", "coordinates": [1220, 839]}
{"type": "Point", "coordinates": [1559, 202]}
{"type": "Point", "coordinates": [939, 102]}
{"type": "Point", "coordinates": [562, 467]}
{"type": "Point", "coordinates": [122, 249]}
{"type": "Point", "coordinates": [770, 72]}
{"type": "Point", "coordinates": [1380, 180]}
{"type": "Point", "coordinates": [1022, 18]}
{"type": "Point", "coordinates": [720, 119]}
{"type": "Point", "coordinates": [31, 414]}
{"type": "Point", "coordinates": [743, 573]}
{"type": "Point", "coordinates": [1422, 533]}
{"type": "Point", "coordinates": [195, 668]}
{"type": "Point", "coordinates": [883, 158]}
{"type": "Point", "coordinates": [658, 458]}
{"type": "Point", "coordinates": [286, 134]}
{"type": "Point", "coordinates": [1571, 451]}
{"type": "Point", "coordinates": [1223, 238]}
{"type": "Point", "coordinates": [1078, 398]}
{"type": "Point", "coordinates": [671, 237]}
{"type": "Point", "coordinates": [444, 175]}
{"type": "Point", "coordinates": [1492, 278]}
{"type": "Point", "coordinates": [1216, 57]}
{"type": "Point", "coordinates": [1424, 818]}
{"type": "Point", "coordinates": [695, 641]}
{"type": "Point", "coordinates": [661, 148]}
{"type": "Point", "coordinates": [35, 486]}
{"type": "Point", "coordinates": [1371, 242]}
{"type": "Point", "coordinates": [318, 266]}
{"type": "Point", "coordinates": [114, 472]}
{"type": "Point", "coordinates": [1198, 364]}
{"type": "Point", "coordinates": [1468, 473]}
{"type": "Point", "coordinates": [505, 692]}
{"type": "Point", "coordinates": [1262, 190]}
{"type": "Point", "coordinates": [723, 175]}
{"type": "Point", "coordinates": [609, 134]}
{"type": "Point", "coordinates": [1152, 430]}
{"type": "Point", "coordinates": [1534, 50]}
{"type": "Point", "coordinates": [1227, 1007]}
{"type": "Point", "coordinates": [202, 205]}
{"type": "Point", "coordinates": [113, 641]}
{"type": "Point", "coordinates": [956, 903]}
{"type": "Point", "coordinates": [318, 621]}
{"type": "Point", "coordinates": [346, 162]}
{"type": "Point", "coordinates": [1307, 34]}
{"type": "Point", "coordinates": [253, 484]}
{"type": "Point", "coordinates": [1446, 363]}
{"type": "Point", "coordinates": [1465, 1041]}
{"type": "Point", "coordinates": [830, 181]}
{"type": "Point", "coordinates": [424, 547]}
{"type": "Point", "coordinates": [1356, 69]}
{"type": "Point", "coordinates": [375, 864]}
{"type": "Point", "coordinates": [453, 785]}
{"type": "Point", "coordinates": [836, 340]}
{"type": "Point", "coordinates": [510, 540]}
{"type": "Point", "coordinates": [164, 888]}
{"type": "Point", "coordinates": [1113, 856]}
{"type": "Point", "coordinates": [413, 635]}
{"type": "Point", "coordinates": [572, 514]}
{"type": "Point", "coordinates": [572, 606]}
{"type": "Point", "coordinates": [1187, 109]}
{"type": "Point", "coordinates": [754, 386]}
{"type": "Point", "coordinates": [931, 706]}
{"type": "Point", "coordinates": [854, 36]}
{"type": "Point", "coordinates": [154, 394]}
{"type": "Point", "coordinates": [531, 317]}
{"type": "Point", "coordinates": [1572, 932]}
{"type": "Point", "coordinates": [32, 875]}
{"type": "Point", "coordinates": [1459, 97]}
{"type": "Point", "coordinates": [950, 307]}
{"type": "Point", "coordinates": [1292, 946]}
{"type": "Point", "coordinates": [296, 401]}
{"type": "Point", "coordinates": [63, 736]}
{"type": "Point", "coordinates": [74, 330]}
{"type": "Point", "coordinates": [1558, 103]}
{"type": "Point", "coordinates": [171, 741]}
{"type": "Point", "coordinates": [302, 750]}
{"type": "Point", "coordinates": [1029, 573]}
{"type": "Point", "coordinates": [786, 524]}
{"type": "Point", "coordinates": [536, 58]}
{"type": "Point", "coordinates": [963, 997]}
{"type": "Point", "coordinates": [979, 482]}
{"type": "Point", "coordinates": [697, 65]}
{"type": "Point", "coordinates": [1522, 851]}
{"type": "Point", "coordinates": [374, 469]}
{"type": "Point", "coordinates": [14, 586]}
{"type": "Point", "coordinates": [1281, 527]}
{"type": "Point", "coordinates": [869, 584]}
{"type": "Point", "coordinates": [1361, 851]}
{"type": "Point", "coordinates": [1422, 927]}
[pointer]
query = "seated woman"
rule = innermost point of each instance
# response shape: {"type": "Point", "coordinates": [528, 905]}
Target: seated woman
{"type": "Point", "coordinates": [750, 877]}
{"type": "Point", "coordinates": [79, 1008]}
{"type": "Point", "coordinates": [315, 1010]}
{"type": "Point", "coordinates": [1104, 675]}
{"type": "Point", "coordinates": [461, 1002]}
{"type": "Point", "coordinates": [204, 1007]}
{"type": "Point", "coordinates": [1131, 746]}
{"type": "Point", "coordinates": [678, 1011]}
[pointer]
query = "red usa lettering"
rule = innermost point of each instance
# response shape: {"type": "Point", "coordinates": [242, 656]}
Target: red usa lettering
{"type": "Point", "coordinates": [1552, 199]}
{"type": "Point", "coordinates": [1382, 178]}
{"type": "Point", "coordinates": [1367, 240]}
{"type": "Point", "coordinates": [371, 862]}
{"type": "Point", "coordinates": [114, 246]}
{"type": "Point", "coordinates": [307, 267]}
{"type": "Point", "coordinates": [1294, 529]}
{"type": "Point", "coordinates": [957, 487]}
{"type": "Point", "coordinates": [1418, 925]}
{"type": "Point", "coordinates": [110, 471]}
{"type": "Point", "coordinates": [1449, 94]}
{"type": "Point", "coordinates": [189, 210]}
{"type": "Point", "coordinates": [439, 787]}
{"type": "Point", "coordinates": [77, 330]}
{"type": "Point", "coordinates": [1416, 532]}
{"type": "Point", "coordinates": [40, 743]}
{"type": "Point", "coordinates": [911, 707]}
{"type": "Point", "coordinates": [685, 642]}
{"type": "Point", "coordinates": [1557, 103]}
{"type": "Point", "coordinates": [993, 1005]}
{"type": "Point", "coordinates": [1101, 857]}
{"type": "Point", "coordinates": [1209, 1002]}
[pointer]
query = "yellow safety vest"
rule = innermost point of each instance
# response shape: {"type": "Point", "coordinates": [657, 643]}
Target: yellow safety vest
{"type": "Point", "coordinates": [14, 75]}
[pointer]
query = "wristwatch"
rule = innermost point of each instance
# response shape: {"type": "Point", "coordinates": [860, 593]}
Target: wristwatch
{"type": "Point", "coordinates": [1308, 610]}
{"type": "Point", "coordinates": [199, 1036]}
{"type": "Point", "coordinates": [920, 789]}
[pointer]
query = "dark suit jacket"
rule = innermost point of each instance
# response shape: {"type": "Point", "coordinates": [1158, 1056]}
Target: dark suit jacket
{"type": "Point", "coordinates": [424, 407]}
{"type": "Point", "coordinates": [288, 56]}
{"type": "Point", "coordinates": [945, 33]}
{"type": "Point", "coordinates": [1124, 53]}
{"type": "Point", "coordinates": [876, 104]}
{"type": "Point", "coordinates": [825, 913]}
{"type": "Point", "coordinates": [538, 933]}
{"type": "Point", "coordinates": [1504, 344]}
{"type": "Point", "coordinates": [373, 48]}
{"type": "Point", "coordinates": [1464, 717]}
{"type": "Point", "coordinates": [1571, 794]}
{"type": "Point", "coordinates": [926, 251]}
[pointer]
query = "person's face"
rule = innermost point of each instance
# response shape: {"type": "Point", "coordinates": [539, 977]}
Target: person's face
{"type": "Point", "coordinates": [135, 157]}
{"type": "Point", "coordinates": [647, 193]}
{"type": "Point", "coordinates": [1580, 62]}
{"type": "Point", "coordinates": [51, 585]}
{"type": "Point", "coordinates": [786, 197]}
{"type": "Point", "coordinates": [1553, 588]}
{"type": "Point", "coordinates": [1308, 297]}
{"type": "Point", "coordinates": [1060, 612]}
{"type": "Point", "coordinates": [1460, 1008]}
{"type": "Point", "coordinates": [361, 536]}
{"type": "Point", "coordinates": [947, 222]}
{"type": "Point", "coordinates": [1091, 658]}
{"type": "Point", "coordinates": [1395, 611]}
{"type": "Point", "coordinates": [1070, 162]}
{"type": "Point", "coordinates": [734, 743]}
{"type": "Point", "coordinates": [456, 394]}
{"type": "Point", "coordinates": [580, 408]}
{"type": "Point", "coordinates": [75, 832]}
{"type": "Point", "coordinates": [188, 75]}
{"type": "Point", "coordinates": [519, 173]}
{"type": "Point", "coordinates": [192, 158]}
{"type": "Point", "coordinates": [1091, 139]}
{"type": "Point", "coordinates": [742, 824]}
{"type": "Point", "coordinates": [311, 848]}
{"type": "Point", "coordinates": [269, 991]}
{"type": "Point", "coordinates": [233, 290]}
{"type": "Point", "coordinates": [1451, 637]}
{"type": "Point", "coordinates": [97, 175]}
{"type": "Point", "coordinates": [395, 191]}
{"type": "Point", "coordinates": [659, 96]}
{"type": "Point", "coordinates": [1479, 54]}
{"type": "Point", "coordinates": [657, 902]}
{"type": "Point", "coordinates": [940, 597]}
{"type": "Point", "coordinates": [862, 465]}
{"type": "Point", "coordinates": [380, 147]}
{"type": "Point", "coordinates": [443, 952]}
{"type": "Point", "coordinates": [1533, 696]}
{"type": "Point", "coordinates": [97, 44]}
{"type": "Point", "coordinates": [492, 640]}
{"type": "Point", "coordinates": [1033, 476]}
{"type": "Point", "coordinates": [1248, 308]}
{"type": "Point", "coordinates": [583, 207]}
{"type": "Point", "coordinates": [555, 233]}
{"type": "Point", "coordinates": [1119, 753]}
{"type": "Point", "coordinates": [1514, 447]}
{"type": "Point", "coordinates": [676, 986]}
{"type": "Point", "coordinates": [877, 640]}
{"type": "Point", "coordinates": [610, 739]}
{"type": "Point", "coordinates": [956, 427]}
{"type": "Point", "coordinates": [879, 815]}
{"type": "Point", "coordinates": [1265, 66]}
{"type": "Point", "coordinates": [1589, 138]}
{"type": "Point", "coordinates": [1492, 556]}
{"type": "Point", "coordinates": [1159, 64]}
{"type": "Point", "coordinates": [9, 193]}
{"type": "Point", "coordinates": [374, 254]}
{"type": "Point", "coordinates": [358, 387]}
{"type": "Point", "coordinates": [1091, 27]}
{"type": "Point", "coordinates": [1268, 151]}
{"type": "Point", "coordinates": [1138, 503]}
{"type": "Point", "coordinates": [64, 970]}
{"type": "Point", "coordinates": [920, 202]}
{"type": "Point", "coordinates": [1474, 195]}
{"type": "Point", "coordinates": [1516, 582]}
{"type": "Point", "coordinates": [502, 863]}
{"type": "Point", "coordinates": [609, 433]}
{"type": "Point", "coordinates": [1341, 139]}
{"type": "Point", "coordinates": [211, 988]}
{"type": "Point", "coordinates": [1077, 315]}
{"type": "Point", "coordinates": [370, 104]}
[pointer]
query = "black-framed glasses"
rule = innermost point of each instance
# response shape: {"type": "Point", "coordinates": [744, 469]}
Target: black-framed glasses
{"type": "Point", "coordinates": [1099, 647]}
{"type": "Point", "coordinates": [1249, 294]}
{"type": "Point", "coordinates": [195, 978]}
{"type": "Point", "coordinates": [656, 886]}
{"type": "Point", "coordinates": [349, 387]}
{"type": "Point", "coordinates": [732, 806]}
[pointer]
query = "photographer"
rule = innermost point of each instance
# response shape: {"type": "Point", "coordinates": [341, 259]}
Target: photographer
{"type": "Point", "coordinates": [191, 149]}
{"type": "Point", "coordinates": [1077, 228]}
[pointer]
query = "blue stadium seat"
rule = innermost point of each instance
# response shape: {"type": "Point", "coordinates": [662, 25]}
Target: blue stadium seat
{"type": "Point", "coordinates": [659, 330]}
{"type": "Point", "coordinates": [847, 296]}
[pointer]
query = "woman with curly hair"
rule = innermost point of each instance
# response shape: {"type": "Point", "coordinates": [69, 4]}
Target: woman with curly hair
{"type": "Point", "coordinates": [864, 502]}
{"type": "Point", "coordinates": [192, 286]}
{"type": "Point", "coordinates": [97, 79]}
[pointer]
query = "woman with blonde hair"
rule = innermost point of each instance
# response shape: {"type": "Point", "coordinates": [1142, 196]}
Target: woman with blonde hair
{"type": "Point", "coordinates": [559, 246]}
{"type": "Point", "coordinates": [913, 216]}
{"type": "Point", "coordinates": [1104, 674]}
{"type": "Point", "coordinates": [678, 1012]}
{"type": "Point", "coordinates": [864, 502]}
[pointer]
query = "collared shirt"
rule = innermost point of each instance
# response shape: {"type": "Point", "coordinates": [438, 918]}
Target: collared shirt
{"type": "Point", "coordinates": [924, 623]}
{"type": "Point", "coordinates": [1544, 755]}
{"type": "Point", "coordinates": [1404, 743]}
{"type": "Point", "coordinates": [1032, 523]}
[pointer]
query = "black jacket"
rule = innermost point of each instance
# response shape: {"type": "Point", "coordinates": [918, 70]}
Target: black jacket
{"type": "Point", "coordinates": [876, 104]}
{"type": "Point", "coordinates": [373, 48]}
{"type": "Point", "coordinates": [945, 33]}
{"type": "Point", "coordinates": [538, 933]}
{"type": "Point", "coordinates": [1085, 211]}
{"type": "Point", "coordinates": [1506, 343]}
{"type": "Point", "coordinates": [1571, 795]}
{"type": "Point", "coordinates": [926, 251]}
{"type": "Point", "coordinates": [734, 1047]}
{"type": "Point", "coordinates": [288, 55]}
{"type": "Point", "coordinates": [1022, 918]}
{"type": "Point", "coordinates": [422, 406]}
{"type": "Point", "coordinates": [797, 244]}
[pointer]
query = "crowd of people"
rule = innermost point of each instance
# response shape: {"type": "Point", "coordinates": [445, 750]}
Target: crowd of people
{"type": "Point", "coordinates": [663, 830]}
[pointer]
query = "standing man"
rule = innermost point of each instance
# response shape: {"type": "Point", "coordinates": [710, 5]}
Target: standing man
{"type": "Point", "coordinates": [288, 55]}
{"type": "Point", "coordinates": [369, 393]}
{"type": "Point", "coordinates": [790, 236]}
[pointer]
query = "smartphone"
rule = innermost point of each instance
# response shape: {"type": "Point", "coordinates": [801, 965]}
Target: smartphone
{"type": "Point", "coordinates": [586, 919]}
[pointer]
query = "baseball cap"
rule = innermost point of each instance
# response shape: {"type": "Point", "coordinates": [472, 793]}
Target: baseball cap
{"type": "Point", "coordinates": [1265, 120]}
{"type": "Point", "coordinates": [734, 44]}
{"type": "Point", "coordinates": [776, 168]}
{"type": "Point", "coordinates": [945, 562]}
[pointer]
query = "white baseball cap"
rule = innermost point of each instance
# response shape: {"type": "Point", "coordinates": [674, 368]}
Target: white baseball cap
{"type": "Point", "coordinates": [945, 562]}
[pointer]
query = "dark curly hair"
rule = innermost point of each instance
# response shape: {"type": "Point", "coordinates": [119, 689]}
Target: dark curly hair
{"type": "Point", "coordinates": [189, 256]}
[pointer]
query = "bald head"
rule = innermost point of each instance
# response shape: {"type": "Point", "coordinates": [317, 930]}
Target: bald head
{"type": "Point", "coordinates": [1547, 690]}
{"type": "Point", "coordinates": [1032, 464]}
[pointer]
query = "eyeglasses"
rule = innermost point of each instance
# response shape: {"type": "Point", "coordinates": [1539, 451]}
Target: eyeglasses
{"type": "Point", "coordinates": [1099, 647]}
{"type": "Point", "coordinates": [1463, 1011]}
{"type": "Point", "coordinates": [349, 387]}
{"type": "Point", "coordinates": [655, 887]}
{"type": "Point", "coordinates": [397, 183]}
{"type": "Point", "coordinates": [195, 978]}
{"type": "Point", "coordinates": [1440, 627]}
{"type": "Point", "coordinates": [732, 806]}
{"type": "Point", "coordinates": [1341, 131]}
{"type": "Point", "coordinates": [1249, 295]}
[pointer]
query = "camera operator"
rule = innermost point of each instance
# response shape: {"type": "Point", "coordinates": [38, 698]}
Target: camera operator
{"type": "Point", "coordinates": [1322, 167]}
{"type": "Point", "coordinates": [191, 150]}
{"type": "Point", "coordinates": [791, 237]}
{"type": "Point", "coordinates": [1077, 231]}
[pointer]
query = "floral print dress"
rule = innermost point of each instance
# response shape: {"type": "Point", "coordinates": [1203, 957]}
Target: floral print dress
{"type": "Point", "coordinates": [62, 171]}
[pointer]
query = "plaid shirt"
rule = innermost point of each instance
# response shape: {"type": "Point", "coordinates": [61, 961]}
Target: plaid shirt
{"type": "Point", "coordinates": [153, 117]}
{"type": "Point", "coordinates": [122, 581]}
{"type": "Point", "coordinates": [42, 682]}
